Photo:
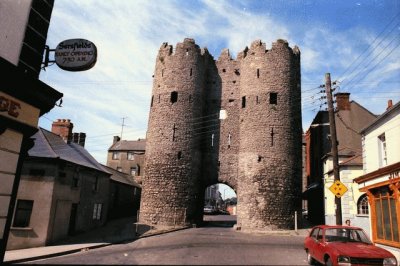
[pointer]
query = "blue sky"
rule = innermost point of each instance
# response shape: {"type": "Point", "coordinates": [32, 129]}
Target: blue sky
{"type": "Point", "coordinates": [356, 41]}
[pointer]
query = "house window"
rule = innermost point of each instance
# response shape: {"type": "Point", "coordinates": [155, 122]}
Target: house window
{"type": "Point", "coordinates": [133, 171]}
{"type": "Point", "coordinates": [130, 156]}
{"type": "Point", "coordinates": [36, 172]}
{"type": "Point", "coordinates": [273, 98]}
{"type": "Point", "coordinates": [385, 216]}
{"type": "Point", "coordinates": [96, 184]}
{"type": "Point", "coordinates": [382, 150]}
{"type": "Point", "coordinates": [75, 181]}
{"type": "Point", "coordinates": [23, 213]}
{"type": "Point", "coordinates": [362, 205]}
{"type": "Point", "coordinates": [115, 155]}
{"type": "Point", "coordinates": [97, 211]}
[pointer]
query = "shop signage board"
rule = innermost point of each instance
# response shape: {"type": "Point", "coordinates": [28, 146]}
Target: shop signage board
{"type": "Point", "coordinates": [75, 55]}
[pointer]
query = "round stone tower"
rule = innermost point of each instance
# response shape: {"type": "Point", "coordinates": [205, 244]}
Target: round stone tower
{"type": "Point", "coordinates": [270, 129]}
{"type": "Point", "coordinates": [172, 190]}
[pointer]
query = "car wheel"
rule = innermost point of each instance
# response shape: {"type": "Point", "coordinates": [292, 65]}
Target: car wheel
{"type": "Point", "coordinates": [328, 262]}
{"type": "Point", "coordinates": [310, 259]}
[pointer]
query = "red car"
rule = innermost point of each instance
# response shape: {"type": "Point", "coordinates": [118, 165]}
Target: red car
{"type": "Point", "coordinates": [344, 245]}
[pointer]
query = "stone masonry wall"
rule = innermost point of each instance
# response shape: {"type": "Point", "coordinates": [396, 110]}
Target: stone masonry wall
{"type": "Point", "coordinates": [256, 149]}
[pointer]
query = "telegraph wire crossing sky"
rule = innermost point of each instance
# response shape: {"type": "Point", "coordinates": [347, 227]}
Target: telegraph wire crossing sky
{"type": "Point", "coordinates": [356, 41]}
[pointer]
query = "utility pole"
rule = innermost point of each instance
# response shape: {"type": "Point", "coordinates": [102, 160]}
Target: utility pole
{"type": "Point", "coordinates": [123, 124]}
{"type": "Point", "coordinates": [334, 144]}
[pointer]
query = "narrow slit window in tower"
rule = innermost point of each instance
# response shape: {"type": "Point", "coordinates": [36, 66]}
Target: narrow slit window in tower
{"type": "Point", "coordinates": [257, 102]}
{"type": "Point", "coordinates": [229, 140]}
{"type": "Point", "coordinates": [191, 72]}
{"type": "Point", "coordinates": [212, 140]}
{"type": "Point", "coordinates": [273, 98]}
{"type": "Point", "coordinates": [187, 51]}
{"type": "Point", "coordinates": [159, 98]}
{"type": "Point", "coordinates": [243, 101]}
{"type": "Point", "coordinates": [258, 72]}
{"type": "Point", "coordinates": [174, 97]}
{"type": "Point", "coordinates": [173, 133]}
{"type": "Point", "coordinates": [179, 155]}
{"type": "Point", "coordinates": [152, 99]}
{"type": "Point", "coordinates": [272, 136]}
{"type": "Point", "coordinates": [162, 73]}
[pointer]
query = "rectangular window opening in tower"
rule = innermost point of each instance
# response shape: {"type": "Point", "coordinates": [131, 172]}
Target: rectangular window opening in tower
{"type": "Point", "coordinates": [273, 98]}
{"type": "Point", "coordinates": [174, 97]}
{"type": "Point", "coordinates": [243, 101]}
{"type": "Point", "coordinates": [258, 72]}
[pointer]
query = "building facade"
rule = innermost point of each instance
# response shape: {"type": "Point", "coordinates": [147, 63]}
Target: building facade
{"type": "Point", "coordinates": [127, 156]}
{"type": "Point", "coordinates": [236, 122]}
{"type": "Point", "coordinates": [350, 118]}
{"type": "Point", "coordinates": [381, 179]}
{"type": "Point", "coordinates": [23, 98]}
{"type": "Point", "coordinates": [63, 191]}
{"type": "Point", "coordinates": [124, 195]}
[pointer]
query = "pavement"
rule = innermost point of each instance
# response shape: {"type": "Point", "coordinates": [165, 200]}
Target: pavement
{"type": "Point", "coordinates": [114, 232]}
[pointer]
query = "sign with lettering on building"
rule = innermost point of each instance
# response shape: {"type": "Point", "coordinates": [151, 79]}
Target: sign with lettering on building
{"type": "Point", "coordinates": [76, 55]}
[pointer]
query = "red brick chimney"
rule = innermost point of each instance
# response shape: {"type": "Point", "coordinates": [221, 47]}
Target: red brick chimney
{"type": "Point", "coordinates": [63, 128]}
{"type": "Point", "coordinates": [342, 101]}
{"type": "Point", "coordinates": [390, 104]}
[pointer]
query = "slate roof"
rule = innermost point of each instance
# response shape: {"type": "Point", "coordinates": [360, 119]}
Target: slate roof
{"type": "Point", "coordinates": [50, 145]}
{"type": "Point", "coordinates": [121, 177]}
{"type": "Point", "coordinates": [129, 145]}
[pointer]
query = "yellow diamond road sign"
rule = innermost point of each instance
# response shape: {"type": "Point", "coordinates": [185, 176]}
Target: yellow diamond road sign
{"type": "Point", "coordinates": [338, 188]}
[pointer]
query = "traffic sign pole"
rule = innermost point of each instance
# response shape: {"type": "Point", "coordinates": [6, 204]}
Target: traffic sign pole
{"type": "Point", "coordinates": [334, 144]}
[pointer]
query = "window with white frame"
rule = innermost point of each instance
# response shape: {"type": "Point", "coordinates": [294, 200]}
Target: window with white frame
{"type": "Point", "coordinates": [97, 211]}
{"type": "Point", "coordinates": [362, 205]}
{"type": "Point", "coordinates": [115, 155]}
{"type": "Point", "coordinates": [133, 170]}
{"type": "Point", "coordinates": [382, 150]}
{"type": "Point", "coordinates": [130, 156]}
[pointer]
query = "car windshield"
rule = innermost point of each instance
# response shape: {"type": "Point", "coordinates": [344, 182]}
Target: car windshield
{"type": "Point", "coordinates": [346, 235]}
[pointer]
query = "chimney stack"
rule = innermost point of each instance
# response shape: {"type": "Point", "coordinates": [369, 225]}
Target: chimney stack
{"type": "Point", "coordinates": [116, 139]}
{"type": "Point", "coordinates": [390, 104]}
{"type": "Point", "coordinates": [342, 101]}
{"type": "Point", "coordinates": [79, 138]}
{"type": "Point", "coordinates": [63, 128]}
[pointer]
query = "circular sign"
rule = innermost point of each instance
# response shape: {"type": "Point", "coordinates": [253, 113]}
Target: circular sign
{"type": "Point", "coordinates": [76, 55]}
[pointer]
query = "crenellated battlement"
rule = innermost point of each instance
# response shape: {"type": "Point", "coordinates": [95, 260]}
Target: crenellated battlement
{"type": "Point", "coordinates": [255, 149]}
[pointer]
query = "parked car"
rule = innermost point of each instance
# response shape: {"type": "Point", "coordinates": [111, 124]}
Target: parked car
{"type": "Point", "coordinates": [344, 245]}
{"type": "Point", "coordinates": [210, 210]}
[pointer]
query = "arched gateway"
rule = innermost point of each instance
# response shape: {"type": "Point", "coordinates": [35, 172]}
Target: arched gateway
{"type": "Point", "coordinates": [236, 122]}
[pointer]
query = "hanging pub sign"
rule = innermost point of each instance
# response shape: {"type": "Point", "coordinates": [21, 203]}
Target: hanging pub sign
{"type": "Point", "coordinates": [75, 55]}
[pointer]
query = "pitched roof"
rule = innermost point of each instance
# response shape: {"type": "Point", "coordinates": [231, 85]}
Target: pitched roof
{"type": "Point", "coordinates": [395, 108]}
{"type": "Point", "coordinates": [121, 177]}
{"type": "Point", "coordinates": [129, 145]}
{"type": "Point", "coordinates": [50, 145]}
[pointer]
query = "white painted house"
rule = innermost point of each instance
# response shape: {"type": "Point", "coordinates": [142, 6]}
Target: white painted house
{"type": "Point", "coordinates": [381, 178]}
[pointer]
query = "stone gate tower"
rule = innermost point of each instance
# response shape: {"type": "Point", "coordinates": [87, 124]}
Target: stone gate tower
{"type": "Point", "coordinates": [256, 149]}
{"type": "Point", "coordinates": [270, 166]}
{"type": "Point", "coordinates": [173, 185]}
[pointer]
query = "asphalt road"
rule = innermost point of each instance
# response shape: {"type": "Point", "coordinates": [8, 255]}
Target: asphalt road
{"type": "Point", "coordinates": [196, 246]}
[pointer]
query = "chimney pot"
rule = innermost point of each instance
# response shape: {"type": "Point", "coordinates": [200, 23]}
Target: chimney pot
{"type": "Point", "coordinates": [389, 104]}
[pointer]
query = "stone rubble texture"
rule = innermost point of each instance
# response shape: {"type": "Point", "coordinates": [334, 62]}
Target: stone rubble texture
{"type": "Point", "coordinates": [256, 149]}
